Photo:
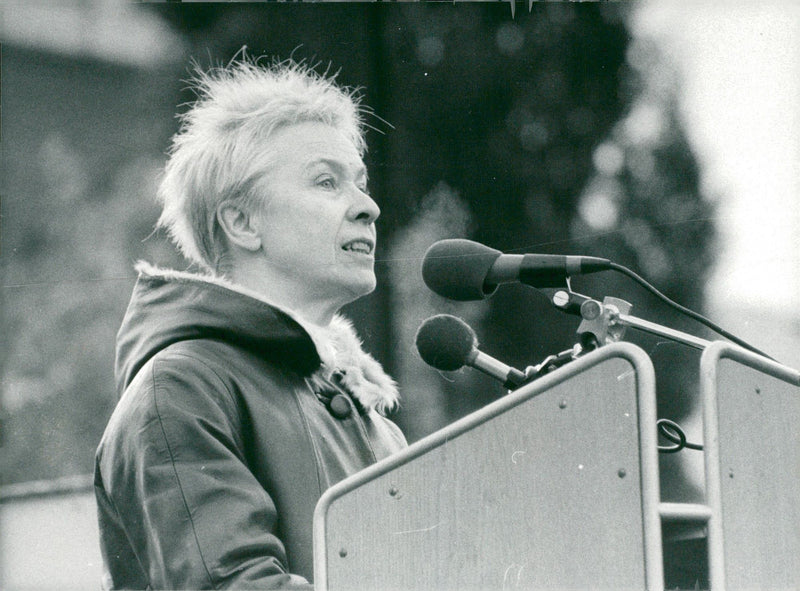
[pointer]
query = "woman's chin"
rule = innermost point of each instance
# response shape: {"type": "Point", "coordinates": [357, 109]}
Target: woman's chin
{"type": "Point", "coordinates": [361, 285]}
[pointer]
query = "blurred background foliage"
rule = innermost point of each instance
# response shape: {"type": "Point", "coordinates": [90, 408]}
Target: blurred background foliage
{"type": "Point", "coordinates": [550, 131]}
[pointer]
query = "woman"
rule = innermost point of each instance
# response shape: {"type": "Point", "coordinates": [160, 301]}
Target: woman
{"type": "Point", "coordinates": [243, 393]}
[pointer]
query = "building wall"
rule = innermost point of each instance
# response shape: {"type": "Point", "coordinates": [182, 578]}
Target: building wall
{"type": "Point", "coordinates": [49, 536]}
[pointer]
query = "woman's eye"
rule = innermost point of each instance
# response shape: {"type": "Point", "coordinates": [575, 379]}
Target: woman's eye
{"type": "Point", "coordinates": [326, 183]}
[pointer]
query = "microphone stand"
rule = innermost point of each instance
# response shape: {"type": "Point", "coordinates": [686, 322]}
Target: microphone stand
{"type": "Point", "coordinates": [604, 322]}
{"type": "Point", "coordinates": [552, 362]}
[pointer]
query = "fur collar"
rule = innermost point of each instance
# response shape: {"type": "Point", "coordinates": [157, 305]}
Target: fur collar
{"type": "Point", "coordinates": [338, 346]}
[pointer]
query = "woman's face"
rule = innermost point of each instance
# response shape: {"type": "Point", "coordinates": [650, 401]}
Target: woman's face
{"type": "Point", "coordinates": [316, 221]}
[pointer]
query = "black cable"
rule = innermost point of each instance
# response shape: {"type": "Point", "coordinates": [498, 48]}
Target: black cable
{"type": "Point", "coordinates": [690, 313]}
{"type": "Point", "coordinates": [677, 436]}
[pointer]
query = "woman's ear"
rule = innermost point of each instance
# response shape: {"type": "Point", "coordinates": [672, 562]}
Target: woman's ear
{"type": "Point", "coordinates": [238, 227]}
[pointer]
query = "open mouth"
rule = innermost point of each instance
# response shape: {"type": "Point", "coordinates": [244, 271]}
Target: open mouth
{"type": "Point", "coordinates": [359, 246]}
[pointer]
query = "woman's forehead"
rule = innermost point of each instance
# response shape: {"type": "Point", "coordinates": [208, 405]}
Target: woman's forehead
{"type": "Point", "coordinates": [317, 144]}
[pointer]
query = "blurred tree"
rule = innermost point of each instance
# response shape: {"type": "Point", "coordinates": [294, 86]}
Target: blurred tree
{"type": "Point", "coordinates": [643, 208]}
{"type": "Point", "coordinates": [507, 112]}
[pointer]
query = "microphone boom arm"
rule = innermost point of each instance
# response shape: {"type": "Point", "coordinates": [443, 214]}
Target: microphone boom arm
{"type": "Point", "coordinates": [662, 331]}
{"type": "Point", "coordinates": [607, 321]}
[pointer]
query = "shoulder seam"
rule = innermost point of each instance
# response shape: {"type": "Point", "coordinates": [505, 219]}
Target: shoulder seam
{"type": "Point", "coordinates": [175, 471]}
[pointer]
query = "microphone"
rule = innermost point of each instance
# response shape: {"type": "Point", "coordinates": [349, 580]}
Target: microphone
{"type": "Point", "coordinates": [448, 343]}
{"type": "Point", "coordinates": [464, 270]}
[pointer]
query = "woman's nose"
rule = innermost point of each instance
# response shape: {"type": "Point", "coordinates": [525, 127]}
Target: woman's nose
{"type": "Point", "coordinates": [364, 208]}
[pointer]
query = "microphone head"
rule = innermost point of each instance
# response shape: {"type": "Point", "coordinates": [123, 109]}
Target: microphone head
{"type": "Point", "coordinates": [456, 269]}
{"type": "Point", "coordinates": [445, 342]}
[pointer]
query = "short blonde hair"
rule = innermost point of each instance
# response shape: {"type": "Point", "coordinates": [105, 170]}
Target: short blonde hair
{"type": "Point", "coordinates": [237, 109]}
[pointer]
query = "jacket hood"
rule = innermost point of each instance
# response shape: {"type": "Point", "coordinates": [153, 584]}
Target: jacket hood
{"type": "Point", "coordinates": [170, 306]}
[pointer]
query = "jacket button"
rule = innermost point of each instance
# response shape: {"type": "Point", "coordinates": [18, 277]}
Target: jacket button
{"type": "Point", "coordinates": [339, 406]}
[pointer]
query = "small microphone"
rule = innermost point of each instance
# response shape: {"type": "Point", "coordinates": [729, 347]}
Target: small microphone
{"type": "Point", "coordinates": [448, 343]}
{"type": "Point", "coordinates": [464, 270]}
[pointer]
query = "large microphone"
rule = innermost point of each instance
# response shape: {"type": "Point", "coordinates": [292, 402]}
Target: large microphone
{"type": "Point", "coordinates": [448, 343]}
{"type": "Point", "coordinates": [464, 270]}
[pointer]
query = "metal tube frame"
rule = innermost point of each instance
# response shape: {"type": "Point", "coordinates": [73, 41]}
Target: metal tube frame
{"type": "Point", "coordinates": [605, 323]}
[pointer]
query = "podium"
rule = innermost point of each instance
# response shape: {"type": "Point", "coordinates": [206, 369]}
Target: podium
{"type": "Point", "coordinates": [556, 486]}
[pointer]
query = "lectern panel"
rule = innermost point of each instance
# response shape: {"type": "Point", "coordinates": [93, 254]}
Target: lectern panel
{"type": "Point", "coordinates": [757, 461]}
{"type": "Point", "coordinates": [540, 490]}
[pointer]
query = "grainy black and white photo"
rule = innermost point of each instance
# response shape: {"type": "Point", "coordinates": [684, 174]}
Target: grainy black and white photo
{"type": "Point", "coordinates": [399, 295]}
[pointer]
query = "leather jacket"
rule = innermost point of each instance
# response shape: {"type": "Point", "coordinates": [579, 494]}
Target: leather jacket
{"type": "Point", "coordinates": [225, 436]}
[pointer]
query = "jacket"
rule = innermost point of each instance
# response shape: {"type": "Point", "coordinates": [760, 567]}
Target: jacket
{"type": "Point", "coordinates": [234, 417]}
